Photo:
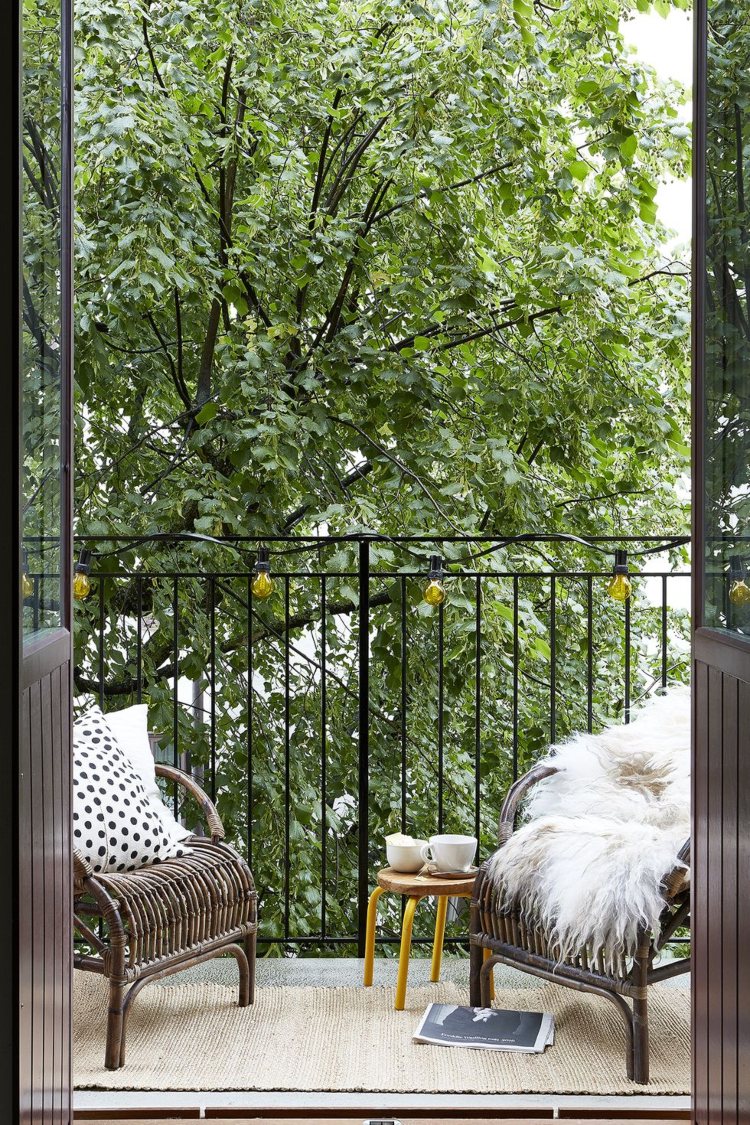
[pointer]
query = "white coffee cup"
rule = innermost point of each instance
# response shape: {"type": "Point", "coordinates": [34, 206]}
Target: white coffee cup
{"type": "Point", "coordinates": [405, 857]}
{"type": "Point", "coordinates": [450, 853]}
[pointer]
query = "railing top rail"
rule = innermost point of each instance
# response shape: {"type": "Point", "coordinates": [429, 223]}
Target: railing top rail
{"type": "Point", "coordinates": [355, 537]}
{"type": "Point", "coordinates": [377, 573]}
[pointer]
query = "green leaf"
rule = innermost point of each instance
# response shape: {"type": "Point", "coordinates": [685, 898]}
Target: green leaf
{"type": "Point", "coordinates": [628, 146]}
{"type": "Point", "coordinates": [579, 169]}
{"type": "Point", "coordinates": [647, 211]}
{"type": "Point", "coordinates": [206, 413]}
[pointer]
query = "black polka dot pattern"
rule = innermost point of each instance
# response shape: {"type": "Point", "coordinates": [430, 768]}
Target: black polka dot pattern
{"type": "Point", "coordinates": [114, 827]}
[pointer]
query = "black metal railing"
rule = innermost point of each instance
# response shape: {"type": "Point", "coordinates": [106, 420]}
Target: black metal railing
{"type": "Point", "coordinates": [343, 707]}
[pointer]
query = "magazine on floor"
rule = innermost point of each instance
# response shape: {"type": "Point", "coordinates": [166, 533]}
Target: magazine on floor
{"type": "Point", "coordinates": [494, 1029]}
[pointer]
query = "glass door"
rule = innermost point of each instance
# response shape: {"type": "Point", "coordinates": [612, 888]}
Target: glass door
{"type": "Point", "coordinates": [724, 283]}
{"type": "Point", "coordinates": [45, 322]}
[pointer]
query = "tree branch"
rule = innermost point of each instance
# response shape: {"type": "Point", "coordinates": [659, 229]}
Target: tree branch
{"type": "Point", "coordinates": [401, 466]}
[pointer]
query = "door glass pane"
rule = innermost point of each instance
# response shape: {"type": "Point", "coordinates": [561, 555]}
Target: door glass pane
{"type": "Point", "coordinates": [42, 320]}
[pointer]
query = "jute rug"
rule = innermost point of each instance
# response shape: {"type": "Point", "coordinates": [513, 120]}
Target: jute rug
{"type": "Point", "coordinates": [194, 1037]}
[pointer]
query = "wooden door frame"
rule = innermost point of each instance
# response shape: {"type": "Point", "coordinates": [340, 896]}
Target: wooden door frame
{"type": "Point", "coordinates": [21, 666]}
{"type": "Point", "coordinates": [697, 345]}
{"type": "Point", "coordinates": [10, 517]}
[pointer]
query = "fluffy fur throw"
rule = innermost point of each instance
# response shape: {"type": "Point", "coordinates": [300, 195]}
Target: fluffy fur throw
{"type": "Point", "coordinates": [602, 833]}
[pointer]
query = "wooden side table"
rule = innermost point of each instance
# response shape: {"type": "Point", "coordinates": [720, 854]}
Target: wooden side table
{"type": "Point", "coordinates": [414, 888]}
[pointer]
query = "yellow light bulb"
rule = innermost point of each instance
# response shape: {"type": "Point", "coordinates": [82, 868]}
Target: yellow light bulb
{"type": "Point", "coordinates": [27, 586]}
{"type": "Point", "coordinates": [434, 592]}
{"type": "Point", "coordinates": [262, 585]}
{"type": "Point", "coordinates": [619, 587]}
{"type": "Point", "coordinates": [739, 592]}
{"type": "Point", "coordinates": [81, 585]}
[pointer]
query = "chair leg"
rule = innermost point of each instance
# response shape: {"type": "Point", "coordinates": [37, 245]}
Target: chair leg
{"type": "Point", "coordinates": [251, 942]}
{"type": "Point", "coordinates": [372, 918]}
{"type": "Point", "coordinates": [114, 1056]}
{"type": "Point", "coordinates": [475, 967]}
{"type": "Point", "coordinates": [487, 954]}
{"type": "Point", "coordinates": [640, 1041]}
{"type": "Point", "coordinates": [485, 978]}
{"type": "Point", "coordinates": [242, 957]}
{"type": "Point", "coordinates": [403, 959]}
{"type": "Point", "coordinates": [437, 948]}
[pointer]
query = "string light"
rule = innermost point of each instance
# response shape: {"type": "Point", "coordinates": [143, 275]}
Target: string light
{"type": "Point", "coordinates": [739, 592]}
{"type": "Point", "coordinates": [262, 584]}
{"type": "Point", "coordinates": [434, 591]}
{"type": "Point", "coordinates": [81, 580]}
{"type": "Point", "coordinates": [27, 586]}
{"type": "Point", "coordinates": [619, 586]}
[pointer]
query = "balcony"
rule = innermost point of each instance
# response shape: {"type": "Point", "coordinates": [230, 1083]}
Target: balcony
{"type": "Point", "coordinates": [424, 728]}
{"type": "Point", "coordinates": [343, 707]}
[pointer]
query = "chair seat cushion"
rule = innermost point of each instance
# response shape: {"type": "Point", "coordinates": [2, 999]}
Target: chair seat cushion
{"type": "Point", "coordinates": [185, 904]}
{"type": "Point", "coordinates": [114, 826]}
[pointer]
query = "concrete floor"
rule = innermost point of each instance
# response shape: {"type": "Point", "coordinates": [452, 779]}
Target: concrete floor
{"type": "Point", "coordinates": [338, 971]}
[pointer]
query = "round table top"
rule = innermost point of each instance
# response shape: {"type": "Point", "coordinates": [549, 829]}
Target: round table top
{"type": "Point", "coordinates": [405, 883]}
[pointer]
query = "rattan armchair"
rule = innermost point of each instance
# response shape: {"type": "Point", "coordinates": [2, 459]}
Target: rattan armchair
{"type": "Point", "coordinates": [142, 925]}
{"type": "Point", "coordinates": [514, 940]}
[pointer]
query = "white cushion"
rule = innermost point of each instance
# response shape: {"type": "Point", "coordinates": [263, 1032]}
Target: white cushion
{"type": "Point", "coordinates": [130, 728]}
{"type": "Point", "coordinates": [115, 827]}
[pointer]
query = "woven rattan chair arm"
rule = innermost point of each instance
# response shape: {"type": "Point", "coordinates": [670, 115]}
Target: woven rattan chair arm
{"type": "Point", "coordinates": [81, 871]}
{"type": "Point", "coordinates": [216, 828]}
{"type": "Point", "coordinates": [515, 793]}
{"type": "Point", "coordinates": [678, 878]}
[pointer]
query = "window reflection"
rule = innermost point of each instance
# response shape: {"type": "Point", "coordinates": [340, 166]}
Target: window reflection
{"type": "Point", "coordinates": [727, 317]}
{"type": "Point", "coordinates": [42, 320]}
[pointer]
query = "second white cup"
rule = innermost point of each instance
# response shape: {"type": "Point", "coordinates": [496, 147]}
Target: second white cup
{"type": "Point", "coordinates": [450, 852]}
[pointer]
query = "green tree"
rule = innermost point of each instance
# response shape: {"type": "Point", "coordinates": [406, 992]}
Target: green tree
{"type": "Point", "coordinates": [374, 266]}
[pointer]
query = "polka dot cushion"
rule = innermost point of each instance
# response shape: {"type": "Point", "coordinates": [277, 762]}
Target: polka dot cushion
{"type": "Point", "coordinates": [114, 827]}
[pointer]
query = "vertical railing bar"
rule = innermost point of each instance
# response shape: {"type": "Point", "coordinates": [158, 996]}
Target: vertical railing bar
{"type": "Point", "coordinates": [323, 755]}
{"type": "Point", "coordinates": [363, 784]}
{"type": "Point", "coordinates": [36, 607]}
{"type": "Point", "coordinates": [590, 653]}
{"type": "Point", "coordinates": [212, 595]}
{"type": "Point", "coordinates": [664, 630]}
{"type": "Point", "coordinates": [553, 660]}
{"type": "Point", "coordinates": [477, 710]}
{"type": "Point", "coordinates": [176, 689]}
{"type": "Point", "coordinates": [404, 688]}
{"type": "Point", "coordinates": [287, 765]}
{"type": "Point", "coordinates": [627, 661]}
{"type": "Point", "coordinates": [250, 721]}
{"type": "Point", "coordinates": [441, 689]}
{"type": "Point", "coordinates": [516, 656]}
{"type": "Point", "coordinates": [102, 581]}
{"type": "Point", "coordinates": [139, 639]}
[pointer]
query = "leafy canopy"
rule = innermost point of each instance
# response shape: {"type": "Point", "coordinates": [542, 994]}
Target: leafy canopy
{"type": "Point", "coordinates": [417, 238]}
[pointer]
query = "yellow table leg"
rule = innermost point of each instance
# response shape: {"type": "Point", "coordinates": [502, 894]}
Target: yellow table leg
{"type": "Point", "coordinates": [403, 959]}
{"type": "Point", "coordinates": [437, 948]}
{"type": "Point", "coordinates": [486, 953]}
{"type": "Point", "coordinates": [372, 917]}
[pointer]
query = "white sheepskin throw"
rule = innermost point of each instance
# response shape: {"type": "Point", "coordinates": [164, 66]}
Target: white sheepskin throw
{"type": "Point", "coordinates": [601, 834]}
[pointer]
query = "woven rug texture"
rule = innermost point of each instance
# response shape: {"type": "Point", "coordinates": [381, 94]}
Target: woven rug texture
{"type": "Point", "coordinates": [194, 1037]}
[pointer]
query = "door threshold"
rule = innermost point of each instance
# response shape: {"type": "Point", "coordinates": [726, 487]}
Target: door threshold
{"type": "Point", "coordinates": [103, 1105]}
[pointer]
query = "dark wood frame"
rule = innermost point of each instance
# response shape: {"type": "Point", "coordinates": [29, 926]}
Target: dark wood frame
{"type": "Point", "coordinates": [10, 521]}
{"type": "Point", "coordinates": [513, 939]}
{"type": "Point", "coordinates": [156, 921]}
{"type": "Point", "coordinates": [36, 689]}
